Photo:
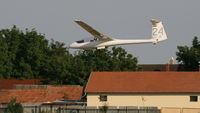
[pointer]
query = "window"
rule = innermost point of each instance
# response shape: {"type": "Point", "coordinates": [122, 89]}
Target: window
{"type": "Point", "coordinates": [103, 98]}
{"type": "Point", "coordinates": [193, 98]}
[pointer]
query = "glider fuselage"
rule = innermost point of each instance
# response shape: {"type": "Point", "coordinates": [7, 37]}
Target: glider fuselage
{"type": "Point", "coordinates": [103, 44]}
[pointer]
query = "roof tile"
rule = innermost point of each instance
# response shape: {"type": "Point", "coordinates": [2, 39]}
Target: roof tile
{"type": "Point", "coordinates": [50, 94]}
{"type": "Point", "coordinates": [9, 83]}
{"type": "Point", "coordinates": [144, 82]}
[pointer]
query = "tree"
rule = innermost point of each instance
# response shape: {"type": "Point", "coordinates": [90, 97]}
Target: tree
{"type": "Point", "coordinates": [64, 68]}
{"type": "Point", "coordinates": [189, 57]}
{"type": "Point", "coordinates": [14, 107]}
{"type": "Point", "coordinates": [5, 65]}
{"type": "Point", "coordinates": [22, 54]}
{"type": "Point", "coordinates": [29, 55]}
{"type": "Point", "coordinates": [117, 59]}
{"type": "Point", "coordinates": [122, 61]}
{"type": "Point", "coordinates": [32, 54]}
{"type": "Point", "coordinates": [196, 43]}
{"type": "Point", "coordinates": [58, 64]}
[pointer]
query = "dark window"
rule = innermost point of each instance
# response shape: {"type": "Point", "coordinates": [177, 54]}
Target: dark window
{"type": "Point", "coordinates": [103, 97]}
{"type": "Point", "coordinates": [193, 98]}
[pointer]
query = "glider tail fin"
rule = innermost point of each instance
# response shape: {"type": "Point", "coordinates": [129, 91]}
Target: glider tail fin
{"type": "Point", "coordinates": [158, 31]}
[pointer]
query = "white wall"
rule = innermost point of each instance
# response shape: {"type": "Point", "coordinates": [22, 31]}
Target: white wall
{"type": "Point", "coordinates": [145, 100]}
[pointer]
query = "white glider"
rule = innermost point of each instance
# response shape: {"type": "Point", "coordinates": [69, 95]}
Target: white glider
{"type": "Point", "coordinates": [100, 41]}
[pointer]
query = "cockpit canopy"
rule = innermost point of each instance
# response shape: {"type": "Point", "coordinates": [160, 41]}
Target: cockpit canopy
{"type": "Point", "coordinates": [91, 39]}
{"type": "Point", "coordinates": [80, 41]}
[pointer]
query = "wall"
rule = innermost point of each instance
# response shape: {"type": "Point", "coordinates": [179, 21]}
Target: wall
{"type": "Point", "coordinates": [81, 109]}
{"type": "Point", "coordinates": [171, 110]}
{"type": "Point", "coordinates": [180, 110]}
{"type": "Point", "coordinates": [145, 100]}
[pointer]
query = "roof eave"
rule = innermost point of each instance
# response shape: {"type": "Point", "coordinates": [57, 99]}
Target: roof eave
{"type": "Point", "coordinates": [149, 93]}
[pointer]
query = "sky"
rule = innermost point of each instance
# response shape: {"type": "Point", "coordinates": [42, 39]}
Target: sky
{"type": "Point", "coordinates": [123, 19]}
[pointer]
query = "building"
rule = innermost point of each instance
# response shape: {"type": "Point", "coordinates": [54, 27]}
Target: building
{"type": "Point", "coordinates": [170, 66]}
{"type": "Point", "coordinates": [39, 94]}
{"type": "Point", "coordinates": [159, 67]}
{"type": "Point", "coordinates": [155, 89]}
{"type": "Point", "coordinates": [10, 83]}
{"type": "Point", "coordinates": [42, 98]}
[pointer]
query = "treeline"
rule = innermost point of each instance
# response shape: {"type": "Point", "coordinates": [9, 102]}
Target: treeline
{"type": "Point", "coordinates": [189, 57]}
{"type": "Point", "coordinates": [29, 55]}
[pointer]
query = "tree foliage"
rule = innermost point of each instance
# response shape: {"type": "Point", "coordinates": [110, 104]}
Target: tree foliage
{"type": "Point", "coordinates": [22, 54]}
{"type": "Point", "coordinates": [14, 106]}
{"type": "Point", "coordinates": [29, 55]}
{"type": "Point", "coordinates": [103, 60]}
{"type": "Point", "coordinates": [189, 57]}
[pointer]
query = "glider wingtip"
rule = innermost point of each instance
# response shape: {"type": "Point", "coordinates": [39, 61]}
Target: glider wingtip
{"type": "Point", "coordinates": [77, 20]}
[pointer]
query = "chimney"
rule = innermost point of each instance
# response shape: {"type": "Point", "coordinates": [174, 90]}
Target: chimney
{"type": "Point", "coordinates": [171, 61]}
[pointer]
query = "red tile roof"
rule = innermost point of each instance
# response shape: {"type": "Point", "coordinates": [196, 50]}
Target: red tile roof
{"type": "Point", "coordinates": [137, 82]}
{"type": "Point", "coordinates": [9, 83]}
{"type": "Point", "coordinates": [50, 94]}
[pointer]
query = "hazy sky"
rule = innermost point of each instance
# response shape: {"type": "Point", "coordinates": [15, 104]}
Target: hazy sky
{"type": "Point", "coordinates": [124, 19]}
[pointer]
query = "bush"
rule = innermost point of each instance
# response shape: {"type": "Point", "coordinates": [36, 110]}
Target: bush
{"type": "Point", "coordinates": [103, 109]}
{"type": "Point", "coordinates": [14, 107]}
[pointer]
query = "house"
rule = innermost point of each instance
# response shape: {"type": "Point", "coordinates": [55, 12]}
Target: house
{"type": "Point", "coordinates": [156, 89]}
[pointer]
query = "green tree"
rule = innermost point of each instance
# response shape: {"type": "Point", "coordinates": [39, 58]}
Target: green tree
{"type": "Point", "coordinates": [122, 61]}
{"type": "Point", "coordinates": [5, 63]}
{"type": "Point", "coordinates": [196, 43]}
{"type": "Point", "coordinates": [32, 54]}
{"type": "Point", "coordinates": [189, 57]}
{"type": "Point", "coordinates": [57, 65]}
{"type": "Point", "coordinates": [29, 55]}
{"type": "Point", "coordinates": [117, 59]}
{"type": "Point", "coordinates": [14, 107]}
{"type": "Point", "coordinates": [22, 54]}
